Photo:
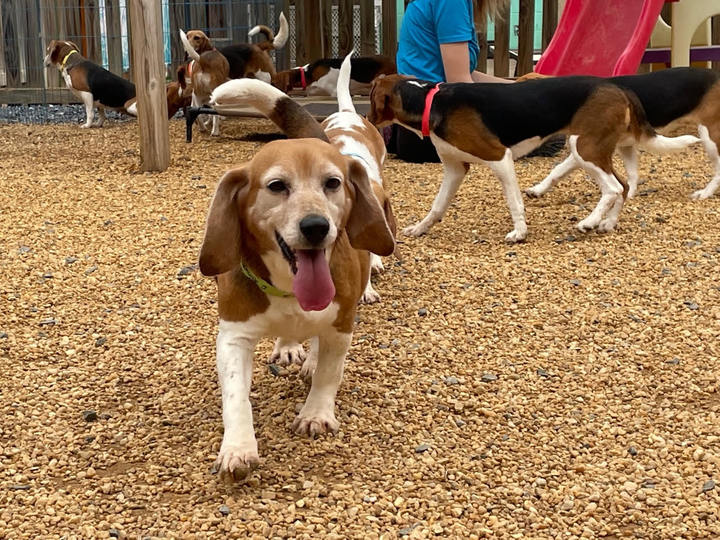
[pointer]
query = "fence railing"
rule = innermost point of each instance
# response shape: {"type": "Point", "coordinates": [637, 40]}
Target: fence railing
{"type": "Point", "coordinates": [318, 28]}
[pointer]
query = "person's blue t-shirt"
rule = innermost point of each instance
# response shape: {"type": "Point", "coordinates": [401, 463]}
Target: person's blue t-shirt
{"type": "Point", "coordinates": [427, 24]}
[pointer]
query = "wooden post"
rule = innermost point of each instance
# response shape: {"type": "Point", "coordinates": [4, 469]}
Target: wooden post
{"type": "Point", "coordinates": [526, 37]}
{"type": "Point", "coordinates": [149, 74]}
{"type": "Point", "coordinates": [501, 56]}
{"type": "Point", "coordinates": [483, 46]}
{"type": "Point", "coordinates": [389, 27]}
{"type": "Point", "coordinates": [715, 29]}
{"type": "Point", "coordinates": [345, 27]}
{"type": "Point", "coordinates": [367, 28]}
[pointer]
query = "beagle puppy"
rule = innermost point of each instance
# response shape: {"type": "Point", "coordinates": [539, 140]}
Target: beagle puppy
{"type": "Point", "coordinates": [680, 96]}
{"type": "Point", "coordinates": [495, 123]}
{"type": "Point", "coordinates": [288, 236]}
{"type": "Point", "coordinates": [321, 76]}
{"type": "Point", "coordinates": [93, 84]}
{"type": "Point", "coordinates": [349, 132]}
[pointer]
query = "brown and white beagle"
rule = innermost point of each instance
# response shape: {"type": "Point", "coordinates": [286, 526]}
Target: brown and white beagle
{"type": "Point", "coordinates": [93, 84]}
{"type": "Point", "coordinates": [494, 123]}
{"type": "Point", "coordinates": [320, 77]}
{"type": "Point", "coordinates": [676, 97]}
{"type": "Point", "coordinates": [349, 132]}
{"type": "Point", "coordinates": [288, 236]}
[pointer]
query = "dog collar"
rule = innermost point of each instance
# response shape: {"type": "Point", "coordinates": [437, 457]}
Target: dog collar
{"type": "Point", "coordinates": [264, 286]}
{"type": "Point", "coordinates": [62, 66]}
{"type": "Point", "coordinates": [303, 81]}
{"type": "Point", "coordinates": [425, 127]}
{"type": "Point", "coordinates": [354, 155]}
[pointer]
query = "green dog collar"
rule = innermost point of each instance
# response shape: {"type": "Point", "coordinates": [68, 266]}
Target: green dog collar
{"type": "Point", "coordinates": [264, 286]}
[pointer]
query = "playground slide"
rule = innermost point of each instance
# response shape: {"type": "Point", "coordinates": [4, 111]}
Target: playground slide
{"type": "Point", "coordinates": [600, 38]}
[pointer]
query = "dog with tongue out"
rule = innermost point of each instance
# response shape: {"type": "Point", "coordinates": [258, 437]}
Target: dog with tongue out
{"type": "Point", "coordinates": [288, 237]}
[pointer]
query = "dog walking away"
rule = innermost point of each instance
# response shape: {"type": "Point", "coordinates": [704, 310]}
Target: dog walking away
{"type": "Point", "coordinates": [93, 84]}
{"type": "Point", "coordinates": [675, 97]}
{"type": "Point", "coordinates": [493, 124]}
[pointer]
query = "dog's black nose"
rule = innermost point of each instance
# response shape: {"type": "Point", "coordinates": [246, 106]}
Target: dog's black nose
{"type": "Point", "coordinates": [314, 228]}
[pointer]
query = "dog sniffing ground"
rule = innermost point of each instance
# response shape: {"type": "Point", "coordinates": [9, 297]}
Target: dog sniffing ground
{"type": "Point", "coordinates": [564, 387]}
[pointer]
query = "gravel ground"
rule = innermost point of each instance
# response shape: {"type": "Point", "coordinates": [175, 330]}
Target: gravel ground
{"type": "Point", "coordinates": [51, 114]}
{"type": "Point", "coordinates": [566, 387]}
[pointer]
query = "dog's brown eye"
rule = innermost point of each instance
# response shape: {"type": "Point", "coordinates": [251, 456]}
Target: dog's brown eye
{"type": "Point", "coordinates": [332, 183]}
{"type": "Point", "coordinates": [277, 186]}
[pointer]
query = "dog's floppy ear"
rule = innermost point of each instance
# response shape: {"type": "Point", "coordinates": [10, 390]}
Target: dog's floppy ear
{"type": "Point", "coordinates": [222, 247]}
{"type": "Point", "coordinates": [366, 226]}
{"type": "Point", "coordinates": [380, 110]}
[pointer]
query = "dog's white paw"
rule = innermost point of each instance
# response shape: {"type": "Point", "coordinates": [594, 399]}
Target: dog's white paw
{"type": "Point", "coordinates": [587, 224]}
{"type": "Point", "coordinates": [314, 423]}
{"type": "Point", "coordinates": [376, 264]}
{"type": "Point", "coordinates": [700, 194]}
{"type": "Point", "coordinates": [370, 296]}
{"type": "Point", "coordinates": [235, 463]}
{"type": "Point", "coordinates": [418, 229]}
{"type": "Point", "coordinates": [307, 370]}
{"type": "Point", "coordinates": [535, 192]}
{"type": "Point", "coordinates": [85, 126]}
{"type": "Point", "coordinates": [515, 236]}
{"type": "Point", "coordinates": [287, 353]}
{"type": "Point", "coordinates": [607, 225]}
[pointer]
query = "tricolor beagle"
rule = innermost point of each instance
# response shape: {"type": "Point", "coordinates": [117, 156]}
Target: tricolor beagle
{"type": "Point", "coordinates": [320, 77]}
{"type": "Point", "coordinates": [494, 123]}
{"type": "Point", "coordinates": [349, 132]}
{"type": "Point", "coordinates": [288, 236]}
{"type": "Point", "coordinates": [670, 96]}
{"type": "Point", "coordinates": [93, 84]}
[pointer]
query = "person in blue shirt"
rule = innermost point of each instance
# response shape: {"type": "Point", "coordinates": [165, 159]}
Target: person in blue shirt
{"type": "Point", "coordinates": [438, 43]}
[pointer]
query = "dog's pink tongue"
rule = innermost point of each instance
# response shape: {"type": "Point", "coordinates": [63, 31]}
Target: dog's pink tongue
{"type": "Point", "coordinates": [313, 286]}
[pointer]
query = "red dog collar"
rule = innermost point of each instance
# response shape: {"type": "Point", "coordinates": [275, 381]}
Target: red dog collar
{"type": "Point", "coordinates": [426, 113]}
{"type": "Point", "coordinates": [303, 81]}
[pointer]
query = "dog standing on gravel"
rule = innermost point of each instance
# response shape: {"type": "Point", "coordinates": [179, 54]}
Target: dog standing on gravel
{"type": "Point", "coordinates": [288, 236]}
{"type": "Point", "coordinates": [93, 84]}
{"type": "Point", "coordinates": [493, 124]}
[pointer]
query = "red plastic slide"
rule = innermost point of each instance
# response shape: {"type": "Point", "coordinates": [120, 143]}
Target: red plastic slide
{"type": "Point", "coordinates": [600, 38]}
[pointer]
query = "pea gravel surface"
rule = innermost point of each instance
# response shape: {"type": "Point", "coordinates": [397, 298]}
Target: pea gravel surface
{"type": "Point", "coordinates": [567, 387]}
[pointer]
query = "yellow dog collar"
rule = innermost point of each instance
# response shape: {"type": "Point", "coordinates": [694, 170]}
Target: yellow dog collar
{"type": "Point", "coordinates": [62, 66]}
{"type": "Point", "coordinates": [264, 286]}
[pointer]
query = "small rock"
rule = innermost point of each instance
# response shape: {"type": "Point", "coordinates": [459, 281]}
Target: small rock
{"type": "Point", "coordinates": [90, 416]}
{"type": "Point", "coordinates": [542, 373]}
{"type": "Point", "coordinates": [459, 422]}
{"type": "Point", "coordinates": [422, 312]}
{"type": "Point", "coordinates": [89, 438]}
{"type": "Point", "coordinates": [369, 498]}
{"type": "Point", "coordinates": [691, 305]}
{"type": "Point", "coordinates": [3, 335]}
{"type": "Point", "coordinates": [451, 381]}
{"type": "Point", "coordinates": [666, 271]}
{"type": "Point", "coordinates": [405, 531]}
{"type": "Point", "coordinates": [422, 448]}
{"type": "Point", "coordinates": [24, 249]}
{"type": "Point", "coordinates": [70, 260]}
{"type": "Point", "coordinates": [224, 509]}
{"type": "Point", "coordinates": [108, 222]}
{"type": "Point", "coordinates": [47, 275]}
{"type": "Point", "coordinates": [20, 487]}
{"type": "Point", "coordinates": [197, 177]}
{"type": "Point", "coordinates": [114, 533]}
{"type": "Point", "coordinates": [47, 322]}
{"type": "Point", "coordinates": [187, 270]}
{"type": "Point", "coordinates": [99, 342]}
{"type": "Point", "coordinates": [488, 377]}
{"type": "Point", "coordinates": [632, 451]}
{"type": "Point", "coordinates": [274, 369]}
{"type": "Point", "coordinates": [575, 282]}
{"type": "Point", "coordinates": [674, 361]}
{"type": "Point", "coordinates": [90, 270]}
{"type": "Point", "coordinates": [708, 486]}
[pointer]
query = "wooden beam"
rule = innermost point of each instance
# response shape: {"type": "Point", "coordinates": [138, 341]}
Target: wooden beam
{"type": "Point", "coordinates": [345, 27]}
{"type": "Point", "coordinates": [149, 74]}
{"type": "Point", "coordinates": [526, 37]}
{"type": "Point", "coordinates": [501, 58]}
{"type": "Point", "coordinates": [367, 28]}
{"type": "Point", "coordinates": [483, 46]}
{"type": "Point", "coordinates": [715, 37]}
{"type": "Point", "coordinates": [309, 46]}
{"type": "Point", "coordinates": [549, 22]}
{"type": "Point", "coordinates": [326, 27]}
{"type": "Point", "coordinates": [389, 28]}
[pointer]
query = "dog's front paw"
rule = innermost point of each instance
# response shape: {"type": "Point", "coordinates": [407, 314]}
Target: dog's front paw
{"type": "Point", "coordinates": [515, 236]}
{"type": "Point", "coordinates": [235, 463]}
{"type": "Point", "coordinates": [376, 264]}
{"type": "Point", "coordinates": [370, 296]}
{"type": "Point", "coordinates": [314, 423]}
{"type": "Point", "coordinates": [700, 194]}
{"type": "Point", "coordinates": [287, 353]}
{"type": "Point", "coordinates": [535, 192]}
{"type": "Point", "coordinates": [607, 225]}
{"type": "Point", "coordinates": [416, 230]}
{"type": "Point", "coordinates": [308, 368]}
{"type": "Point", "coordinates": [587, 224]}
{"type": "Point", "coordinates": [85, 126]}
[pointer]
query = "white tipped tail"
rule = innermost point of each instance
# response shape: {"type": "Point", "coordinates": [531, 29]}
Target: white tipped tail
{"type": "Point", "coordinates": [345, 102]}
{"type": "Point", "coordinates": [660, 144]}
{"type": "Point", "coordinates": [192, 53]}
{"type": "Point", "coordinates": [283, 34]}
{"type": "Point", "coordinates": [252, 92]}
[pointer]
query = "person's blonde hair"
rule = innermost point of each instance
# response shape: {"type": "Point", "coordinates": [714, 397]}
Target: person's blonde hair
{"type": "Point", "coordinates": [488, 8]}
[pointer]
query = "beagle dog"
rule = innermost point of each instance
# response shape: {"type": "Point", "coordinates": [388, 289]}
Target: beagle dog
{"type": "Point", "coordinates": [288, 236]}
{"type": "Point", "coordinates": [670, 96]}
{"type": "Point", "coordinates": [175, 100]}
{"type": "Point", "coordinates": [349, 132]}
{"type": "Point", "coordinates": [321, 76]}
{"type": "Point", "coordinates": [493, 124]}
{"type": "Point", "coordinates": [93, 84]}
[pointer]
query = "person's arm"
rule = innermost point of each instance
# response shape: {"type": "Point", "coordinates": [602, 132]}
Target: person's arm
{"type": "Point", "coordinates": [479, 76]}
{"type": "Point", "coordinates": [456, 61]}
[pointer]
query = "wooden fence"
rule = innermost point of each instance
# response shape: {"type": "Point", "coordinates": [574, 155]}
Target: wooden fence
{"type": "Point", "coordinates": [317, 28]}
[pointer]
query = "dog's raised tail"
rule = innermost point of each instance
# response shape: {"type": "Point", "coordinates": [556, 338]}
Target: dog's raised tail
{"type": "Point", "coordinates": [290, 117]}
{"type": "Point", "coordinates": [345, 102]}
{"type": "Point", "coordinates": [192, 53]}
{"type": "Point", "coordinates": [273, 41]}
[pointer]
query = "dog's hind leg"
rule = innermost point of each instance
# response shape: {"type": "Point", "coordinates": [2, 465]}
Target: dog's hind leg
{"type": "Point", "coordinates": [610, 187]}
{"type": "Point", "coordinates": [711, 148]}
{"type": "Point", "coordinates": [454, 171]}
{"type": "Point", "coordinates": [630, 157]}
{"type": "Point", "coordinates": [557, 174]}
{"type": "Point", "coordinates": [505, 171]}
{"type": "Point", "coordinates": [101, 116]}
{"type": "Point", "coordinates": [370, 295]}
{"type": "Point", "coordinates": [287, 352]}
